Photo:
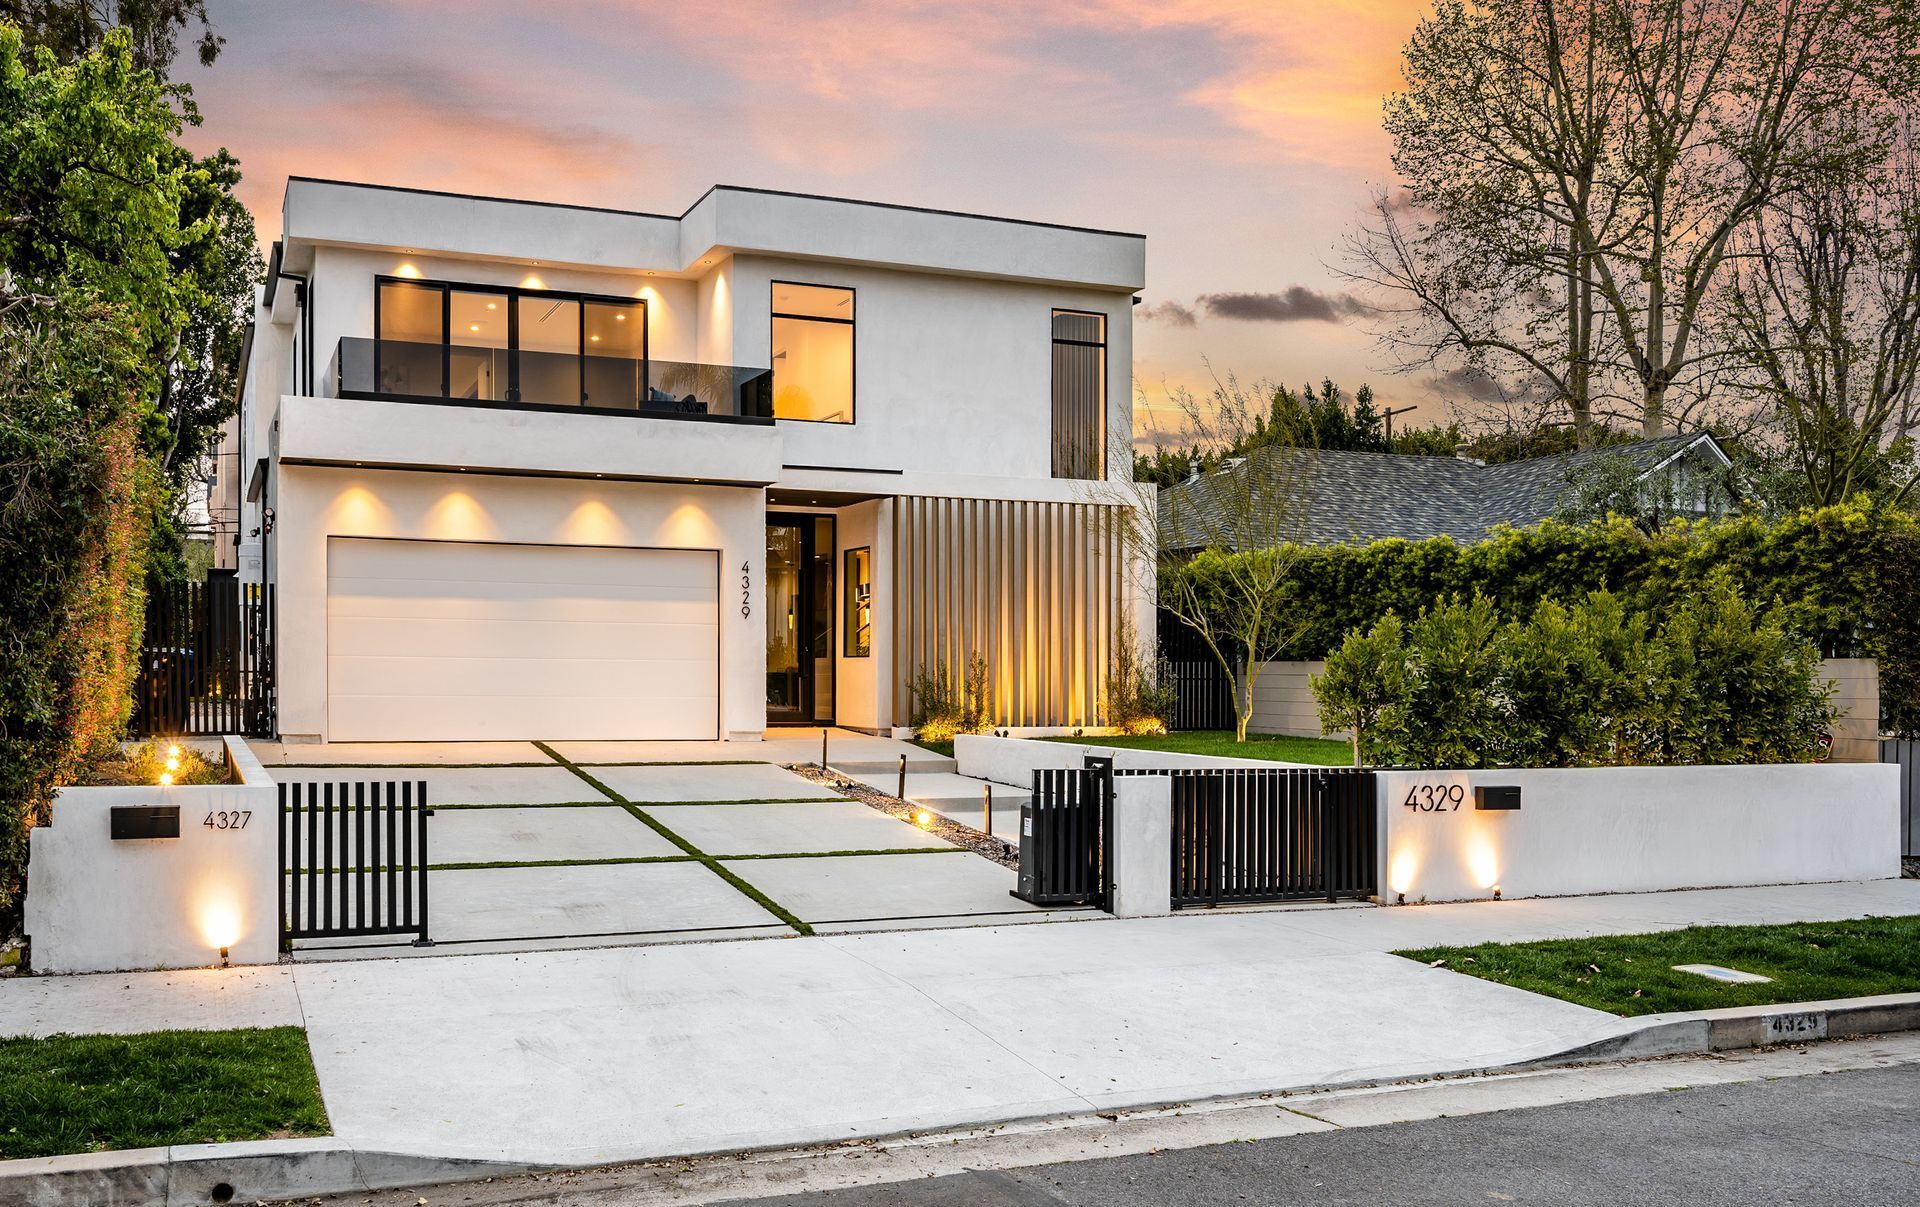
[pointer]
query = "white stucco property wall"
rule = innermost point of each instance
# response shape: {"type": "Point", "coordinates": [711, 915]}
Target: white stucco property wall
{"type": "Point", "coordinates": [316, 503]}
{"type": "Point", "coordinates": [95, 904]}
{"type": "Point", "coordinates": [1636, 829]}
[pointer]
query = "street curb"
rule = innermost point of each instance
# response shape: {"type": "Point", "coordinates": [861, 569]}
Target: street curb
{"type": "Point", "coordinates": [244, 1172]}
{"type": "Point", "coordinates": [192, 1175]}
{"type": "Point", "coordinates": [1734, 1027]}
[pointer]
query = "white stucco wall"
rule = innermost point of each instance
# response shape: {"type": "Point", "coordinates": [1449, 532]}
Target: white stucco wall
{"type": "Point", "coordinates": [951, 374]}
{"type": "Point", "coordinates": [95, 904]}
{"type": "Point", "coordinates": [315, 503]}
{"type": "Point", "coordinates": [1013, 761]}
{"type": "Point", "coordinates": [1638, 829]}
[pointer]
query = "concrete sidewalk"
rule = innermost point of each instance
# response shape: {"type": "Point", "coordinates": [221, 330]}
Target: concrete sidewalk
{"type": "Point", "coordinates": [586, 1057]}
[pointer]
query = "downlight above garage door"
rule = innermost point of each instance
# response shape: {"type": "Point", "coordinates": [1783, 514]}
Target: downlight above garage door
{"type": "Point", "coordinates": [455, 641]}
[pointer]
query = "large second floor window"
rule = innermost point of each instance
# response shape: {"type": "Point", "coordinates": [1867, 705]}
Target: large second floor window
{"type": "Point", "coordinates": [1079, 394]}
{"type": "Point", "coordinates": [812, 353]}
{"type": "Point", "coordinates": [489, 344]}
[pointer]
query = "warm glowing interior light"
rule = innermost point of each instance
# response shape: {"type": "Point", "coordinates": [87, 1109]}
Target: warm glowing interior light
{"type": "Point", "coordinates": [493, 305]}
{"type": "Point", "coordinates": [593, 339]}
{"type": "Point", "coordinates": [619, 318]}
{"type": "Point", "coordinates": [473, 326]}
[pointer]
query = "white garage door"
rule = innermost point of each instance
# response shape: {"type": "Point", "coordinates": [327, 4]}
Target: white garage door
{"type": "Point", "coordinates": [450, 641]}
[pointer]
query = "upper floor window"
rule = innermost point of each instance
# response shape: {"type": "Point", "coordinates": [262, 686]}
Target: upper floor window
{"type": "Point", "coordinates": [494, 344]}
{"type": "Point", "coordinates": [1079, 394]}
{"type": "Point", "coordinates": [812, 353]}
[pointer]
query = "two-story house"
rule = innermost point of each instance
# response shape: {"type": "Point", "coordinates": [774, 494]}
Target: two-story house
{"type": "Point", "coordinates": [525, 470]}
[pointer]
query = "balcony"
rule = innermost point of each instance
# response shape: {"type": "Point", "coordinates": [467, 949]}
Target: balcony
{"type": "Point", "coordinates": [394, 371]}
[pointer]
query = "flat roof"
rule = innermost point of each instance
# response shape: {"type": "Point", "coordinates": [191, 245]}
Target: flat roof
{"type": "Point", "coordinates": [718, 188]}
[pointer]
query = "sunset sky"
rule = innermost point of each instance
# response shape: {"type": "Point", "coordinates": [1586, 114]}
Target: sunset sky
{"type": "Point", "coordinates": [1242, 139]}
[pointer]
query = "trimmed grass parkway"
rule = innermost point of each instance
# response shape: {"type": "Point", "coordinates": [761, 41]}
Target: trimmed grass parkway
{"type": "Point", "coordinates": [92, 1093]}
{"type": "Point", "coordinates": [1633, 974]}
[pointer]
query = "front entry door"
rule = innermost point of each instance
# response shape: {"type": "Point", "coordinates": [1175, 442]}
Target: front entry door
{"type": "Point", "coordinates": [799, 619]}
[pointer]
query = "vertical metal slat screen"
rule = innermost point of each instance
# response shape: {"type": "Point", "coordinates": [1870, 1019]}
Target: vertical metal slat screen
{"type": "Point", "coordinates": [1244, 835]}
{"type": "Point", "coordinates": [353, 860]}
{"type": "Point", "coordinates": [206, 661]}
{"type": "Point", "coordinates": [1905, 753]}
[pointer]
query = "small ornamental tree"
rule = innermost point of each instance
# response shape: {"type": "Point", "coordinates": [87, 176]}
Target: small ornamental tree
{"type": "Point", "coordinates": [1363, 678]}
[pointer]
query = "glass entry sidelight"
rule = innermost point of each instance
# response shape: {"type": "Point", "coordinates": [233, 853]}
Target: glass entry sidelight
{"type": "Point", "coordinates": [800, 552]}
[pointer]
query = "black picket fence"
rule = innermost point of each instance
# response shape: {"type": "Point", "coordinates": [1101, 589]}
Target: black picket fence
{"type": "Point", "coordinates": [1244, 835]}
{"type": "Point", "coordinates": [353, 860]}
{"type": "Point", "coordinates": [206, 661]}
{"type": "Point", "coordinates": [1203, 691]}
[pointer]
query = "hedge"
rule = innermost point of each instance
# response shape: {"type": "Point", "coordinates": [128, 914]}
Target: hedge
{"type": "Point", "coordinates": [1846, 578]}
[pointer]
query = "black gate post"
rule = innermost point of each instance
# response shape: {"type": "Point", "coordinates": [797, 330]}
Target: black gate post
{"type": "Point", "coordinates": [1099, 776]}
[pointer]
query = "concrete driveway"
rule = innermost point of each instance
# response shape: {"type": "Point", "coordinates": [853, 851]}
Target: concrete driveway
{"type": "Point", "coordinates": [614, 843]}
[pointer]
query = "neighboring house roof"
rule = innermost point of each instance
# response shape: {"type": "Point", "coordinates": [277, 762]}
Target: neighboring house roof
{"type": "Point", "coordinates": [1357, 497]}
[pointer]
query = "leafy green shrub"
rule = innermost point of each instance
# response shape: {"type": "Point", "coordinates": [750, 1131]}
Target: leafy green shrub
{"type": "Point", "coordinates": [1586, 685]}
{"type": "Point", "coordinates": [1363, 678]}
{"type": "Point", "coordinates": [1140, 694]}
{"type": "Point", "coordinates": [942, 708]}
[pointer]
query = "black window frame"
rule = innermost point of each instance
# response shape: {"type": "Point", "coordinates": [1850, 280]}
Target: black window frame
{"type": "Point", "coordinates": [853, 349]}
{"type": "Point", "coordinates": [511, 295]}
{"type": "Point", "coordinates": [1053, 387]}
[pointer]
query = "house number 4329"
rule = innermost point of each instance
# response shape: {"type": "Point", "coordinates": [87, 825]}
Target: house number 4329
{"type": "Point", "coordinates": [746, 588]}
{"type": "Point", "coordinates": [1435, 798]}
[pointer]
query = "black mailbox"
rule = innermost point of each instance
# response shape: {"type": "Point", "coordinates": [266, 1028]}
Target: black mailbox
{"type": "Point", "coordinates": [1498, 796]}
{"type": "Point", "coordinates": [146, 821]}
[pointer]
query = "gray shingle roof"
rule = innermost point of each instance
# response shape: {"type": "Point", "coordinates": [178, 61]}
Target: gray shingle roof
{"type": "Point", "coordinates": [1357, 497]}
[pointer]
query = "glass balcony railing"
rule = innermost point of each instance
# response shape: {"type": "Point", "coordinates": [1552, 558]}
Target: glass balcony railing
{"type": "Point", "coordinates": [449, 373]}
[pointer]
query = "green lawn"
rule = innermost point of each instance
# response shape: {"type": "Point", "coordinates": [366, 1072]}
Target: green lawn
{"type": "Point", "coordinates": [1326, 752]}
{"type": "Point", "coordinates": [89, 1093]}
{"type": "Point", "coordinates": [1633, 974]}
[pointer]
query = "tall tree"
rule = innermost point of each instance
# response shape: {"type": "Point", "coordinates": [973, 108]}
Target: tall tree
{"type": "Point", "coordinates": [97, 192]}
{"type": "Point", "coordinates": [71, 28]}
{"type": "Point", "coordinates": [1577, 174]}
{"type": "Point", "coordinates": [1825, 301]}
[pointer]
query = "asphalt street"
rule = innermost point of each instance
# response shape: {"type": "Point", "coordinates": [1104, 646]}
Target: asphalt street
{"type": "Point", "coordinates": [1841, 1139]}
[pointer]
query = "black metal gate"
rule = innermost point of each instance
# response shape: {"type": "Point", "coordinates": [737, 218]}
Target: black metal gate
{"type": "Point", "coordinates": [353, 860]}
{"type": "Point", "coordinates": [1064, 831]}
{"type": "Point", "coordinates": [1203, 691]}
{"type": "Point", "coordinates": [206, 661]}
{"type": "Point", "coordinates": [1905, 754]}
{"type": "Point", "coordinates": [1280, 834]}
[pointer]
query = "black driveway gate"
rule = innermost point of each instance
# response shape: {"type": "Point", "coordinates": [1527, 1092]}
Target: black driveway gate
{"type": "Point", "coordinates": [353, 860]}
{"type": "Point", "coordinates": [1280, 834]}
{"type": "Point", "coordinates": [206, 661]}
{"type": "Point", "coordinates": [1064, 831]}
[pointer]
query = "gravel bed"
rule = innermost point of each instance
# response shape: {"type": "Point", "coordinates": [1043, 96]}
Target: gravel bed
{"type": "Point", "coordinates": [1000, 851]}
{"type": "Point", "coordinates": [1910, 869]}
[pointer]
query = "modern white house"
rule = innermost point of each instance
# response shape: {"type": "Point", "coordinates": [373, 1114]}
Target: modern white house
{"type": "Point", "coordinates": [524, 470]}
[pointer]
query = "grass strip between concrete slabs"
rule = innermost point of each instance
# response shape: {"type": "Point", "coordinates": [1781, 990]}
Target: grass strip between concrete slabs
{"type": "Point", "coordinates": [712, 865]}
{"type": "Point", "coordinates": [681, 763]}
{"type": "Point", "coordinates": [839, 854]}
{"type": "Point", "coordinates": [396, 766]}
{"type": "Point", "coordinates": [95, 1093]}
{"type": "Point", "coordinates": [1633, 974]}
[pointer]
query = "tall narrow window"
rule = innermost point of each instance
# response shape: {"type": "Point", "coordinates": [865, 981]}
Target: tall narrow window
{"type": "Point", "coordinates": [856, 640]}
{"type": "Point", "coordinates": [413, 329]}
{"type": "Point", "coordinates": [477, 333]}
{"type": "Point", "coordinates": [1079, 394]}
{"type": "Point", "coordinates": [812, 353]}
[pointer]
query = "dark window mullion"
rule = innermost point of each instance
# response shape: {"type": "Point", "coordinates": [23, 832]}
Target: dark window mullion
{"type": "Point", "coordinates": [446, 342]}
{"type": "Point", "coordinates": [513, 345]}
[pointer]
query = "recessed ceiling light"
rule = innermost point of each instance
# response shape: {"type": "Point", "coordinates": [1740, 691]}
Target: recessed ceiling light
{"type": "Point", "coordinates": [594, 338]}
{"type": "Point", "coordinates": [473, 326]}
{"type": "Point", "coordinates": [493, 305]}
{"type": "Point", "coordinates": [621, 317]}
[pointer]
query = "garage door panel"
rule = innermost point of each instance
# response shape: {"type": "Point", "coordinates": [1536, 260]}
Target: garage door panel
{"type": "Point", "coordinates": [501, 677]}
{"type": "Point", "coordinates": [389, 637]}
{"type": "Point", "coordinates": [453, 640]}
{"type": "Point", "coordinates": [378, 595]}
{"type": "Point", "coordinates": [453, 719]}
{"type": "Point", "coordinates": [589, 568]}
